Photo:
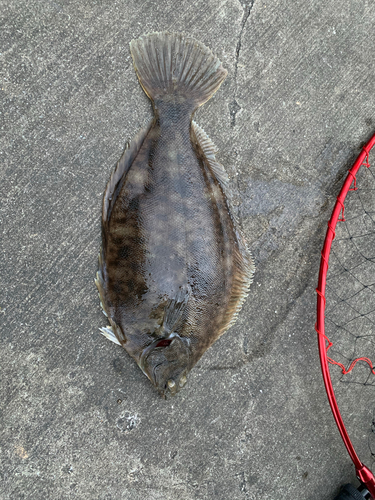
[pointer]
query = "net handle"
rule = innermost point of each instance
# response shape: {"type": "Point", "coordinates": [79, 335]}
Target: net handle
{"type": "Point", "coordinates": [363, 473]}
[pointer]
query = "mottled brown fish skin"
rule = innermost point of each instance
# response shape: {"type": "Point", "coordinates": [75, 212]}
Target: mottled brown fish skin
{"type": "Point", "coordinates": [170, 247]}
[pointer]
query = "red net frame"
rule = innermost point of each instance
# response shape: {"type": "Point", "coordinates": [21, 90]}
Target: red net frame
{"type": "Point", "coordinates": [363, 473]}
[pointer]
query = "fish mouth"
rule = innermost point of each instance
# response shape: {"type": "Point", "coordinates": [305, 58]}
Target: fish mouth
{"type": "Point", "coordinates": [165, 369]}
{"type": "Point", "coordinates": [146, 352]}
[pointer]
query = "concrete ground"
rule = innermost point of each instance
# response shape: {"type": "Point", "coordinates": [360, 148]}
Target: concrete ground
{"type": "Point", "coordinates": [79, 419]}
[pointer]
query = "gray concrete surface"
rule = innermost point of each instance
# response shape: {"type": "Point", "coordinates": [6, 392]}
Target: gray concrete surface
{"type": "Point", "coordinates": [79, 419]}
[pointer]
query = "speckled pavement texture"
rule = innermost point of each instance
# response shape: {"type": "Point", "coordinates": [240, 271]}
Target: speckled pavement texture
{"type": "Point", "coordinates": [78, 418]}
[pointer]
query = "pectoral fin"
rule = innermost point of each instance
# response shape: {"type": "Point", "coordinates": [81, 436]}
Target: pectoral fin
{"type": "Point", "coordinates": [174, 311]}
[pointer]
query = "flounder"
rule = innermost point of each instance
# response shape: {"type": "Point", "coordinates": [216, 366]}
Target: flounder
{"type": "Point", "coordinates": [174, 268]}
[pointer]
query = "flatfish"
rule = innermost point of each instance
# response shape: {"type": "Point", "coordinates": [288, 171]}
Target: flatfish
{"type": "Point", "coordinates": [174, 268]}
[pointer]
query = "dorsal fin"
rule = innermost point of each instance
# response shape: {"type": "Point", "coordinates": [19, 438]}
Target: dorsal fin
{"type": "Point", "coordinates": [110, 194]}
{"type": "Point", "coordinates": [122, 167]}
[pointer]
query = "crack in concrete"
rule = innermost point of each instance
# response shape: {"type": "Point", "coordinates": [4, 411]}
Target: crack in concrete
{"type": "Point", "coordinates": [234, 107]}
{"type": "Point", "coordinates": [246, 14]}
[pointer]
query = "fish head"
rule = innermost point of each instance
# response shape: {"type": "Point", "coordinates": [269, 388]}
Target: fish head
{"type": "Point", "coordinates": [166, 363]}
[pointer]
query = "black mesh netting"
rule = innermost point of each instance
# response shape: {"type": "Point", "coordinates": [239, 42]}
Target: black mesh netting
{"type": "Point", "coordinates": [350, 311]}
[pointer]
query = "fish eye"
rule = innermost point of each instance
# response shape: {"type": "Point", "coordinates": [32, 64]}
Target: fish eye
{"type": "Point", "coordinates": [171, 384]}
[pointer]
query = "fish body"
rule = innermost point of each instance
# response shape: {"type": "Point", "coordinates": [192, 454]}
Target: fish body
{"type": "Point", "coordinates": [174, 268]}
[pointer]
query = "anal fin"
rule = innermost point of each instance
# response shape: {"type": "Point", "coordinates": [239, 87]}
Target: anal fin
{"type": "Point", "coordinates": [209, 150]}
{"type": "Point", "coordinates": [244, 265]}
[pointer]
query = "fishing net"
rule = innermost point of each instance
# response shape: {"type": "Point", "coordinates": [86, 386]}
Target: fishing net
{"type": "Point", "coordinates": [346, 309]}
{"type": "Point", "coordinates": [350, 288]}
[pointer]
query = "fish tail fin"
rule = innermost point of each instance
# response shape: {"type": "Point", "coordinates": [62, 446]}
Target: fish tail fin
{"type": "Point", "coordinates": [174, 67]}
